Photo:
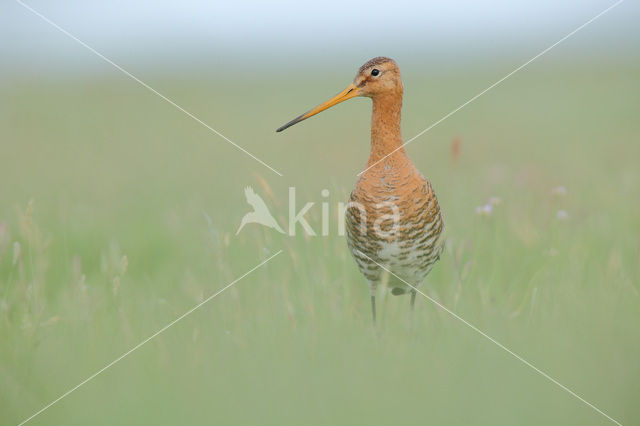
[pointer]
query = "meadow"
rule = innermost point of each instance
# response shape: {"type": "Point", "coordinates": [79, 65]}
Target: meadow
{"type": "Point", "coordinates": [118, 214]}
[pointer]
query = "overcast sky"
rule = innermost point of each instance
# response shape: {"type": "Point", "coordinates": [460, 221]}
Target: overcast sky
{"type": "Point", "coordinates": [280, 30]}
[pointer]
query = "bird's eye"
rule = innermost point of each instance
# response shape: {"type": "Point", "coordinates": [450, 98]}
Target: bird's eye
{"type": "Point", "coordinates": [375, 72]}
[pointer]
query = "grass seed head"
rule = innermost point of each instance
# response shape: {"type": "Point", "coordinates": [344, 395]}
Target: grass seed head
{"type": "Point", "coordinates": [124, 264]}
{"type": "Point", "coordinates": [29, 213]}
{"type": "Point", "coordinates": [81, 283]}
{"type": "Point", "coordinates": [116, 285]}
{"type": "Point", "coordinates": [17, 250]}
{"type": "Point", "coordinates": [559, 191]}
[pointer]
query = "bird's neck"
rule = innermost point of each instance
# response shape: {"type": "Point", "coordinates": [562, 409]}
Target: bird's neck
{"type": "Point", "coordinates": [386, 136]}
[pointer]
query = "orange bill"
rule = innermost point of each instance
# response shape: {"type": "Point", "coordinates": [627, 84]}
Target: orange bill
{"type": "Point", "coordinates": [350, 92]}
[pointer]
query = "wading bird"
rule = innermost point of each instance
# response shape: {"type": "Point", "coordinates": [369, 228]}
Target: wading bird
{"type": "Point", "coordinates": [393, 218]}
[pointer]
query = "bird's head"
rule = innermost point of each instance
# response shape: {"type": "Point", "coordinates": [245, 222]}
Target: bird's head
{"type": "Point", "coordinates": [377, 77]}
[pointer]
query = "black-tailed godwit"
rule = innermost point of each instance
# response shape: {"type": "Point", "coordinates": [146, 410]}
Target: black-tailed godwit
{"type": "Point", "coordinates": [393, 217]}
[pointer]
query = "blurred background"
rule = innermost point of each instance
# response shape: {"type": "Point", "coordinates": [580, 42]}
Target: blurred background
{"type": "Point", "coordinates": [118, 213]}
{"type": "Point", "coordinates": [220, 39]}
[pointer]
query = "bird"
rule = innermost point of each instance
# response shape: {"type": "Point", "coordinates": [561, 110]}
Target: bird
{"type": "Point", "coordinates": [394, 226]}
{"type": "Point", "coordinates": [260, 213]}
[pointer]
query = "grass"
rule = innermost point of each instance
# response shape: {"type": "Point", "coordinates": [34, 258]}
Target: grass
{"type": "Point", "coordinates": [104, 239]}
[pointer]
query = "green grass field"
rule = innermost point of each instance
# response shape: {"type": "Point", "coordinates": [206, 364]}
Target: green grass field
{"type": "Point", "coordinates": [104, 239]}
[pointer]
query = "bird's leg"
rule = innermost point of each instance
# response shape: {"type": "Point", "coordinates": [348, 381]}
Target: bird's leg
{"type": "Point", "coordinates": [373, 303]}
{"type": "Point", "coordinates": [411, 309]}
{"type": "Point", "coordinates": [413, 299]}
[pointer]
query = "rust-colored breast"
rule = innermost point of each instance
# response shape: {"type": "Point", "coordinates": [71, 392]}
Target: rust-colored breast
{"type": "Point", "coordinates": [394, 218]}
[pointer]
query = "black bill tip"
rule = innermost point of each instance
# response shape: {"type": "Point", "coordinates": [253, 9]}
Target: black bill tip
{"type": "Point", "coordinates": [291, 123]}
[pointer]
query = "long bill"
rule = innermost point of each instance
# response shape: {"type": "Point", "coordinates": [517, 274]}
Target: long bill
{"type": "Point", "coordinates": [350, 92]}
